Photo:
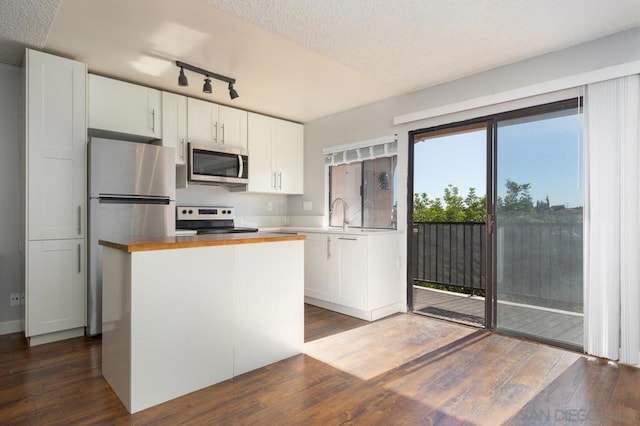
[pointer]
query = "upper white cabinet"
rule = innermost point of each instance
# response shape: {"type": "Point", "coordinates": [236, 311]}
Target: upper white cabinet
{"type": "Point", "coordinates": [121, 107]}
{"type": "Point", "coordinates": [216, 124]}
{"type": "Point", "coordinates": [357, 275]}
{"type": "Point", "coordinates": [276, 155]}
{"type": "Point", "coordinates": [174, 124]}
{"type": "Point", "coordinates": [56, 135]}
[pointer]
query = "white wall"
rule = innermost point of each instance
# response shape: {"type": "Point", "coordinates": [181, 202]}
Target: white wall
{"type": "Point", "coordinates": [10, 190]}
{"type": "Point", "coordinates": [376, 120]}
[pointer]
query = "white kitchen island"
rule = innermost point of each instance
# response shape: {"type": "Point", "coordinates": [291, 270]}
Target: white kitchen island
{"type": "Point", "coordinates": [184, 313]}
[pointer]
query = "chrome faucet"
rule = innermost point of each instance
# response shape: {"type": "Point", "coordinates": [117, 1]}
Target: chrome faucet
{"type": "Point", "coordinates": [345, 209]}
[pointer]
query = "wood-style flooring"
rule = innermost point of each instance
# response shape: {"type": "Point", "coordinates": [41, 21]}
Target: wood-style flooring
{"type": "Point", "coordinates": [402, 370]}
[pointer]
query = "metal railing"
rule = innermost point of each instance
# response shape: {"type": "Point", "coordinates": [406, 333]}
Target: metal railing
{"type": "Point", "coordinates": [536, 262]}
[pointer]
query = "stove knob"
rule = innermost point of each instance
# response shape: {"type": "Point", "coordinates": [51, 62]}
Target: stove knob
{"type": "Point", "coordinates": [184, 211]}
{"type": "Point", "coordinates": [190, 211]}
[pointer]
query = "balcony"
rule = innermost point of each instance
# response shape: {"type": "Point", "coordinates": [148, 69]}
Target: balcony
{"type": "Point", "coordinates": [539, 279]}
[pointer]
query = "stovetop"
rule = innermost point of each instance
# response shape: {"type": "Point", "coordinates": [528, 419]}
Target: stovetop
{"type": "Point", "coordinates": [208, 220]}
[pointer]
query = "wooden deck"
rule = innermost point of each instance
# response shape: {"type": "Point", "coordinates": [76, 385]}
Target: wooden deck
{"type": "Point", "coordinates": [402, 370]}
{"type": "Point", "coordinates": [551, 325]}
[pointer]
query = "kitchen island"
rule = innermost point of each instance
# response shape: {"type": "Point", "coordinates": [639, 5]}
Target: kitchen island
{"type": "Point", "coordinates": [184, 313]}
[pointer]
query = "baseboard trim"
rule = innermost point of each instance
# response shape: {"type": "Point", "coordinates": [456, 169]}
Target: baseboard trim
{"type": "Point", "coordinates": [41, 339]}
{"type": "Point", "coordinates": [372, 315]}
{"type": "Point", "coordinates": [8, 327]}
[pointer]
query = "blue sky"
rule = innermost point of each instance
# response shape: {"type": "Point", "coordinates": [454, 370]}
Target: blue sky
{"type": "Point", "coordinates": [545, 153]}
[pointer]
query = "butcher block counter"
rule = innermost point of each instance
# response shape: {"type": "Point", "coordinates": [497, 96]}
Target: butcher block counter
{"type": "Point", "coordinates": [174, 242]}
{"type": "Point", "coordinates": [183, 313]}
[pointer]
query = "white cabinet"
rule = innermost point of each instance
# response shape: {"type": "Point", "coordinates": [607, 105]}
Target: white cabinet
{"type": "Point", "coordinates": [317, 259]}
{"type": "Point", "coordinates": [56, 147]}
{"type": "Point", "coordinates": [276, 155]}
{"type": "Point", "coordinates": [351, 271]}
{"type": "Point", "coordinates": [56, 290]}
{"type": "Point", "coordinates": [174, 125]}
{"type": "Point", "coordinates": [357, 275]}
{"type": "Point", "coordinates": [55, 207]}
{"type": "Point", "coordinates": [268, 282]}
{"type": "Point", "coordinates": [120, 107]}
{"type": "Point", "coordinates": [216, 124]}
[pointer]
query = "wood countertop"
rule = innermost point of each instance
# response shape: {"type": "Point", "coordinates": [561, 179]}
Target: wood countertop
{"type": "Point", "coordinates": [176, 242]}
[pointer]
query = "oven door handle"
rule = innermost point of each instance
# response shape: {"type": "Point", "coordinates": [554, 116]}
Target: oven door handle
{"type": "Point", "coordinates": [241, 172]}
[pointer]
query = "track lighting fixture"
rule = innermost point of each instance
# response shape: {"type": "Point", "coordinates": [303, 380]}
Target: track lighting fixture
{"type": "Point", "coordinates": [182, 79]}
{"type": "Point", "coordinates": [206, 88]}
{"type": "Point", "coordinates": [232, 92]}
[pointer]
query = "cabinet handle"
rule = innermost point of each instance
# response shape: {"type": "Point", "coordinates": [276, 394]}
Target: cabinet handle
{"type": "Point", "coordinates": [347, 239]}
{"type": "Point", "coordinates": [79, 258]}
{"type": "Point", "coordinates": [182, 149]}
{"type": "Point", "coordinates": [273, 180]}
{"type": "Point", "coordinates": [215, 126]}
{"type": "Point", "coordinates": [222, 132]}
{"type": "Point", "coordinates": [153, 120]}
{"type": "Point", "coordinates": [328, 247]}
{"type": "Point", "coordinates": [280, 184]}
{"type": "Point", "coordinates": [79, 220]}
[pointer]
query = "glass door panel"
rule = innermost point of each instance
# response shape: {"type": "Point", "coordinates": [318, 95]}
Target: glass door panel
{"type": "Point", "coordinates": [448, 264]}
{"type": "Point", "coordinates": [538, 220]}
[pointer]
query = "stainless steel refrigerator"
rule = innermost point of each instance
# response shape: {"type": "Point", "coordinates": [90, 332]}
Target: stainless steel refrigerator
{"type": "Point", "coordinates": [131, 194]}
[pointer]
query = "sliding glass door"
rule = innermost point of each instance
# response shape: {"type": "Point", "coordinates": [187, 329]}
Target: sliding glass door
{"type": "Point", "coordinates": [538, 225]}
{"type": "Point", "coordinates": [497, 215]}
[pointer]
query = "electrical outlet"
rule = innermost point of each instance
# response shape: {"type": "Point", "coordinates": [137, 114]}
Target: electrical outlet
{"type": "Point", "coordinates": [14, 299]}
{"type": "Point", "coordinates": [22, 298]}
{"type": "Point", "coordinates": [269, 206]}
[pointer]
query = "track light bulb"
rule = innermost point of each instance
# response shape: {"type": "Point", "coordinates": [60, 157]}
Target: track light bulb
{"type": "Point", "coordinates": [232, 92]}
{"type": "Point", "coordinates": [182, 78]}
{"type": "Point", "coordinates": [207, 85]}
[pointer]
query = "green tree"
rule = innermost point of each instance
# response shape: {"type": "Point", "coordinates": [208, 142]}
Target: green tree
{"type": "Point", "coordinates": [451, 208]}
{"type": "Point", "coordinates": [517, 198]}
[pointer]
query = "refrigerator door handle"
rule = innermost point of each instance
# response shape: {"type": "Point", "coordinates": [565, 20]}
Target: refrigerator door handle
{"type": "Point", "coordinates": [79, 258]}
{"type": "Point", "coordinates": [132, 199]}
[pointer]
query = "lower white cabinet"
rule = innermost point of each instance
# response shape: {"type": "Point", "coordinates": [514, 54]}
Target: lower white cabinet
{"type": "Point", "coordinates": [268, 304]}
{"type": "Point", "coordinates": [357, 275]}
{"type": "Point", "coordinates": [179, 320]}
{"type": "Point", "coordinates": [55, 289]}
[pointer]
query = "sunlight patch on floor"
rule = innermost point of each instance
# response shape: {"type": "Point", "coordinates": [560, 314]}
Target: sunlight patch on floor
{"type": "Point", "coordinates": [374, 349]}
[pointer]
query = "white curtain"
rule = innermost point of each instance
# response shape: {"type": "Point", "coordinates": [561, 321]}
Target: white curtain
{"type": "Point", "coordinates": [612, 219]}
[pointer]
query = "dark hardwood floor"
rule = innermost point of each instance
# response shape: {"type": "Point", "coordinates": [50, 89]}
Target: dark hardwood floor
{"type": "Point", "coordinates": [406, 369]}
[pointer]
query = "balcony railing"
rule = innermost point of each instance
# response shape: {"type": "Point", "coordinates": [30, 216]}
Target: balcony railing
{"type": "Point", "coordinates": [542, 262]}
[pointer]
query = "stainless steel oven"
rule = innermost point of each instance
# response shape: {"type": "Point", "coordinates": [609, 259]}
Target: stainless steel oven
{"type": "Point", "coordinates": [216, 165]}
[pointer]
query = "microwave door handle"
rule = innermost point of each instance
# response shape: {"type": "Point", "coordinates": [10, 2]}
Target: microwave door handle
{"type": "Point", "coordinates": [241, 166]}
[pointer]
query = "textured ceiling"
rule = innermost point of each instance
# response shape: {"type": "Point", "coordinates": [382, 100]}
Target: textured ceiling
{"type": "Point", "coordinates": [416, 43]}
{"type": "Point", "coordinates": [24, 23]}
{"type": "Point", "coordinates": [304, 59]}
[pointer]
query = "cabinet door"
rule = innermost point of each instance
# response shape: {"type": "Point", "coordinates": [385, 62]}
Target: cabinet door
{"type": "Point", "coordinates": [233, 127]}
{"type": "Point", "coordinates": [174, 124]}
{"type": "Point", "coordinates": [268, 303]}
{"type": "Point", "coordinates": [261, 133]}
{"type": "Point", "coordinates": [55, 286]}
{"type": "Point", "coordinates": [56, 136]}
{"type": "Point", "coordinates": [124, 107]}
{"type": "Point", "coordinates": [317, 260]}
{"type": "Point", "coordinates": [290, 157]}
{"type": "Point", "coordinates": [202, 121]}
{"type": "Point", "coordinates": [352, 272]}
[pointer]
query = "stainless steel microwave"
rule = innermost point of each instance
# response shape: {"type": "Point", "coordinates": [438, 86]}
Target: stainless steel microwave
{"type": "Point", "coordinates": [216, 165]}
